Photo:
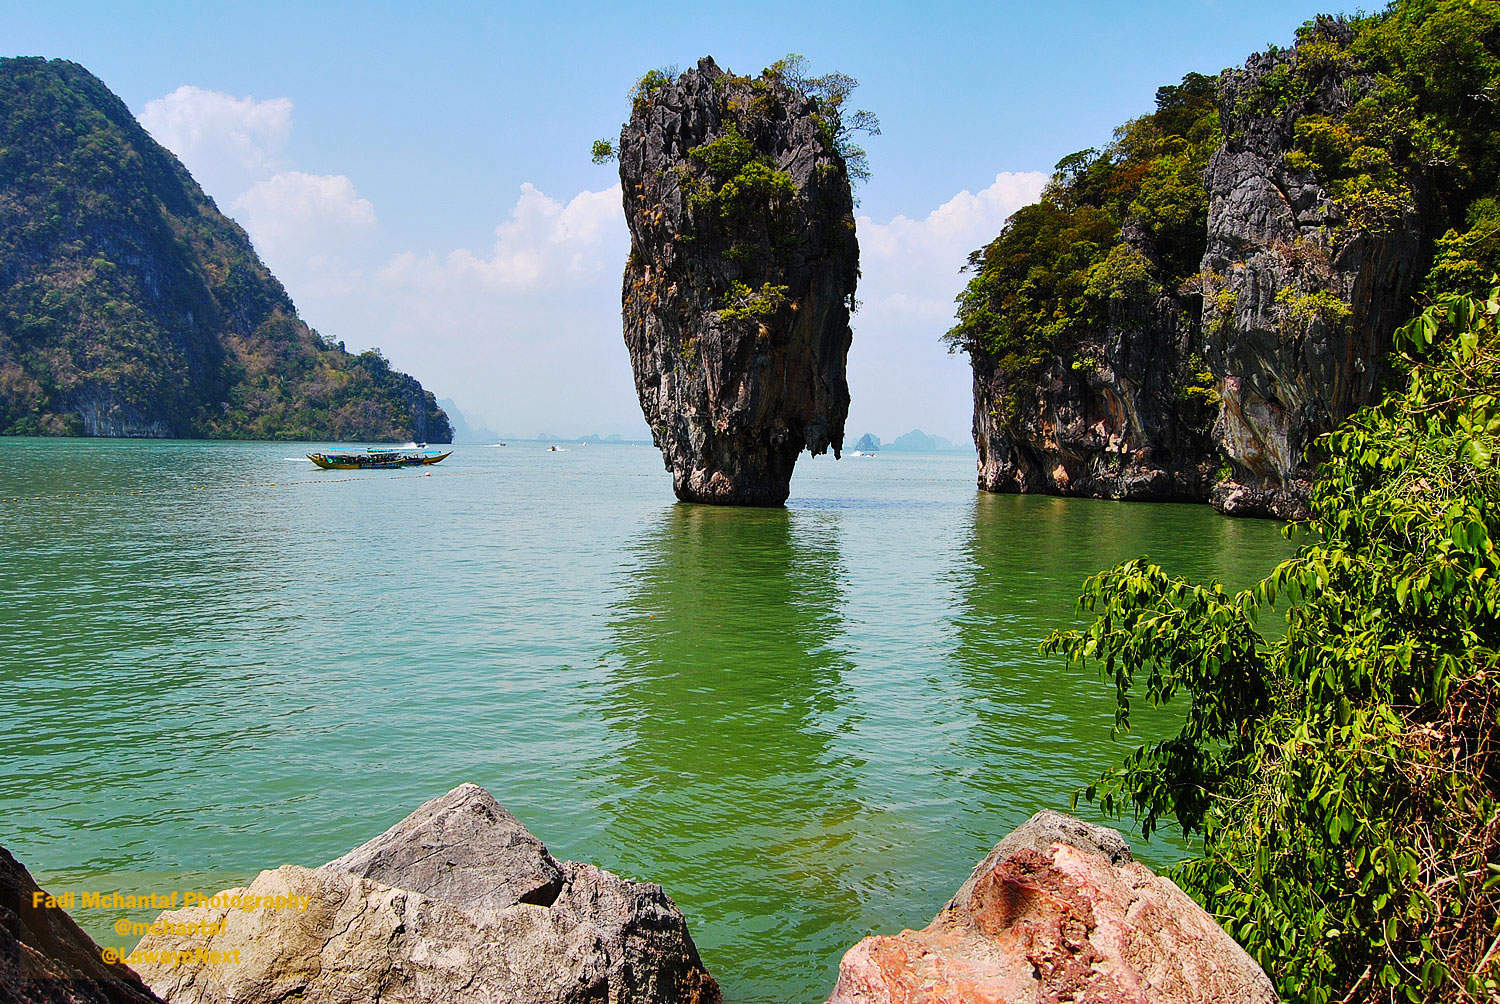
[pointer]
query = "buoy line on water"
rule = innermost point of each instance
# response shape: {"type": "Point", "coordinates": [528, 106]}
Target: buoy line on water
{"type": "Point", "coordinates": [110, 492]}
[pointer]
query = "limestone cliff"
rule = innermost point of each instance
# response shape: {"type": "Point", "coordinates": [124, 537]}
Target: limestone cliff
{"type": "Point", "coordinates": [1082, 325]}
{"type": "Point", "coordinates": [740, 280]}
{"type": "Point", "coordinates": [1185, 312]}
{"type": "Point", "coordinates": [1110, 420]}
{"type": "Point", "coordinates": [1305, 287]}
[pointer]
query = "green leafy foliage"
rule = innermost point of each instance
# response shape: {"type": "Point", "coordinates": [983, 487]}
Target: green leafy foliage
{"type": "Point", "coordinates": [830, 91]}
{"type": "Point", "coordinates": [1051, 274]}
{"type": "Point", "coordinates": [1344, 778]}
{"type": "Point", "coordinates": [739, 184]}
{"type": "Point", "coordinates": [741, 303]}
{"type": "Point", "coordinates": [128, 297]}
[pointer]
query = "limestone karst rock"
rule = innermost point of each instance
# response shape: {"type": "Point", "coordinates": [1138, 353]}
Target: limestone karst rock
{"type": "Point", "coordinates": [1233, 304]}
{"type": "Point", "coordinates": [740, 280]}
{"type": "Point", "coordinates": [1058, 911]}
{"type": "Point", "coordinates": [1276, 235]}
{"type": "Point", "coordinates": [130, 305]}
{"type": "Point", "coordinates": [456, 903]}
{"type": "Point", "coordinates": [1111, 421]}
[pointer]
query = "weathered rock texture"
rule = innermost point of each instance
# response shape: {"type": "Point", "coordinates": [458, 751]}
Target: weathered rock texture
{"type": "Point", "coordinates": [733, 395]}
{"type": "Point", "coordinates": [1286, 322]}
{"type": "Point", "coordinates": [45, 958]}
{"type": "Point", "coordinates": [1115, 425]}
{"type": "Point", "coordinates": [456, 903]}
{"type": "Point", "coordinates": [1274, 228]}
{"type": "Point", "coordinates": [1057, 912]}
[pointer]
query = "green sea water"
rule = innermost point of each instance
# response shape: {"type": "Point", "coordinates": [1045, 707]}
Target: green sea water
{"type": "Point", "coordinates": [807, 724]}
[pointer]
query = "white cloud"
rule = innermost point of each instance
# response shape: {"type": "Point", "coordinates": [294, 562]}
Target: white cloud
{"type": "Point", "coordinates": [306, 227]}
{"type": "Point", "coordinates": [545, 242]}
{"type": "Point", "coordinates": [228, 143]}
{"type": "Point", "coordinates": [526, 334]}
{"type": "Point", "coordinates": [900, 375]}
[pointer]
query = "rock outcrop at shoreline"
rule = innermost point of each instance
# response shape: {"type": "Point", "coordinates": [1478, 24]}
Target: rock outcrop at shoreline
{"type": "Point", "coordinates": [1183, 313]}
{"type": "Point", "coordinates": [45, 958]}
{"type": "Point", "coordinates": [458, 902]}
{"type": "Point", "coordinates": [1304, 293]}
{"type": "Point", "coordinates": [1058, 911]}
{"type": "Point", "coordinates": [740, 280]}
{"type": "Point", "coordinates": [1115, 425]}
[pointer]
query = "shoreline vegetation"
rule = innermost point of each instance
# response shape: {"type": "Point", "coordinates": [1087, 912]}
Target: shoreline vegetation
{"type": "Point", "coordinates": [1344, 779]}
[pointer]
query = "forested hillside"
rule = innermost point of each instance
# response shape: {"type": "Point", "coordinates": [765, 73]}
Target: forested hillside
{"type": "Point", "coordinates": [130, 306]}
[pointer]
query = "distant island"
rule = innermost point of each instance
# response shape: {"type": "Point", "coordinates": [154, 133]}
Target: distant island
{"type": "Point", "coordinates": [463, 431]}
{"type": "Point", "coordinates": [915, 441]}
{"type": "Point", "coordinates": [130, 306]}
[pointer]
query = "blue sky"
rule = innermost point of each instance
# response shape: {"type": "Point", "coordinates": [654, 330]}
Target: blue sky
{"type": "Point", "coordinates": [418, 174]}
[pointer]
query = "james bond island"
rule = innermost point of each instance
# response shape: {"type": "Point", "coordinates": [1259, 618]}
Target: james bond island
{"type": "Point", "coordinates": [741, 275]}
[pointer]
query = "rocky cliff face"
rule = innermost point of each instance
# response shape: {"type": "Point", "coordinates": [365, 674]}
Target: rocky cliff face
{"type": "Point", "coordinates": [740, 279]}
{"type": "Point", "coordinates": [1110, 421]}
{"type": "Point", "coordinates": [1304, 288]}
{"type": "Point", "coordinates": [1311, 232]}
{"type": "Point", "coordinates": [130, 306]}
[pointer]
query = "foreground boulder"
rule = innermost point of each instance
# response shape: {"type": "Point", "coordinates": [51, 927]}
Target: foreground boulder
{"type": "Point", "coordinates": [1058, 911]}
{"type": "Point", "coordinates": [741, 276]}
{"type": "Point", "coordinates": [457, 902]}
{"type": "Point", "coordinates": [45, 958]}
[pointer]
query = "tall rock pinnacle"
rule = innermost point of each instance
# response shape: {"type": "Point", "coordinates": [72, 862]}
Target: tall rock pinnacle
{"type": "Point", "coordinates": [740, 280]}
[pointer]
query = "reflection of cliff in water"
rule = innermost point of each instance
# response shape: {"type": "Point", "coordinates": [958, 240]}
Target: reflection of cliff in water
{"type": "Point", "coordinates": [726, 690]}
{"type": "Point", "coordinates": [1026, 558]}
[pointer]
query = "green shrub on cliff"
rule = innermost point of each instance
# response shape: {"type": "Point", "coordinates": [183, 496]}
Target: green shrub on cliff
{"type": "Point", "coordinates": [1048, 278]}
{"type": "Point", "coordinates": [1344, 779]}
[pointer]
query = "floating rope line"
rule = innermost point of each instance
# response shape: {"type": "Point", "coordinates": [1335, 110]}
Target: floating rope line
{"type": "Point", "coordinates": [115, 492]}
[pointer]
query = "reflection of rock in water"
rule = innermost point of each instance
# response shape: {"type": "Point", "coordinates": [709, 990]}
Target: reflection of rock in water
{"type": "Point", "coordinates": [726, 685]}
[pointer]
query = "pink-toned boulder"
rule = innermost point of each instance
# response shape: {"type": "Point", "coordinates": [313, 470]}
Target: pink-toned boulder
{"type": "Point", "coordinates": [1058, 912]}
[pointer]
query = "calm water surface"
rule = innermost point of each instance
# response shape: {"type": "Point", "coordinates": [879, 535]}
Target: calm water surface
{"type": "Point", "coordinates": [807, 724]}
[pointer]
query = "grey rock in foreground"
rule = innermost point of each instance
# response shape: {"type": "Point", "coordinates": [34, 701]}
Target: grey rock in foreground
{"type": "Point", "coordinates": [1058, 911]}
{"type": "Point", "coordinates": [734, 381]}
{"type": "Point", "coordinates": [45, 958]}
{"type": "Point", "coordinates": [462, 904]}
{"type": "Point", "coordinates": [463, 849]}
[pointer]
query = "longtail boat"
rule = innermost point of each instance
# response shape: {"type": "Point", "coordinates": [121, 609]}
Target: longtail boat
{"type": "Point", "coordinates": [377, 458]}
